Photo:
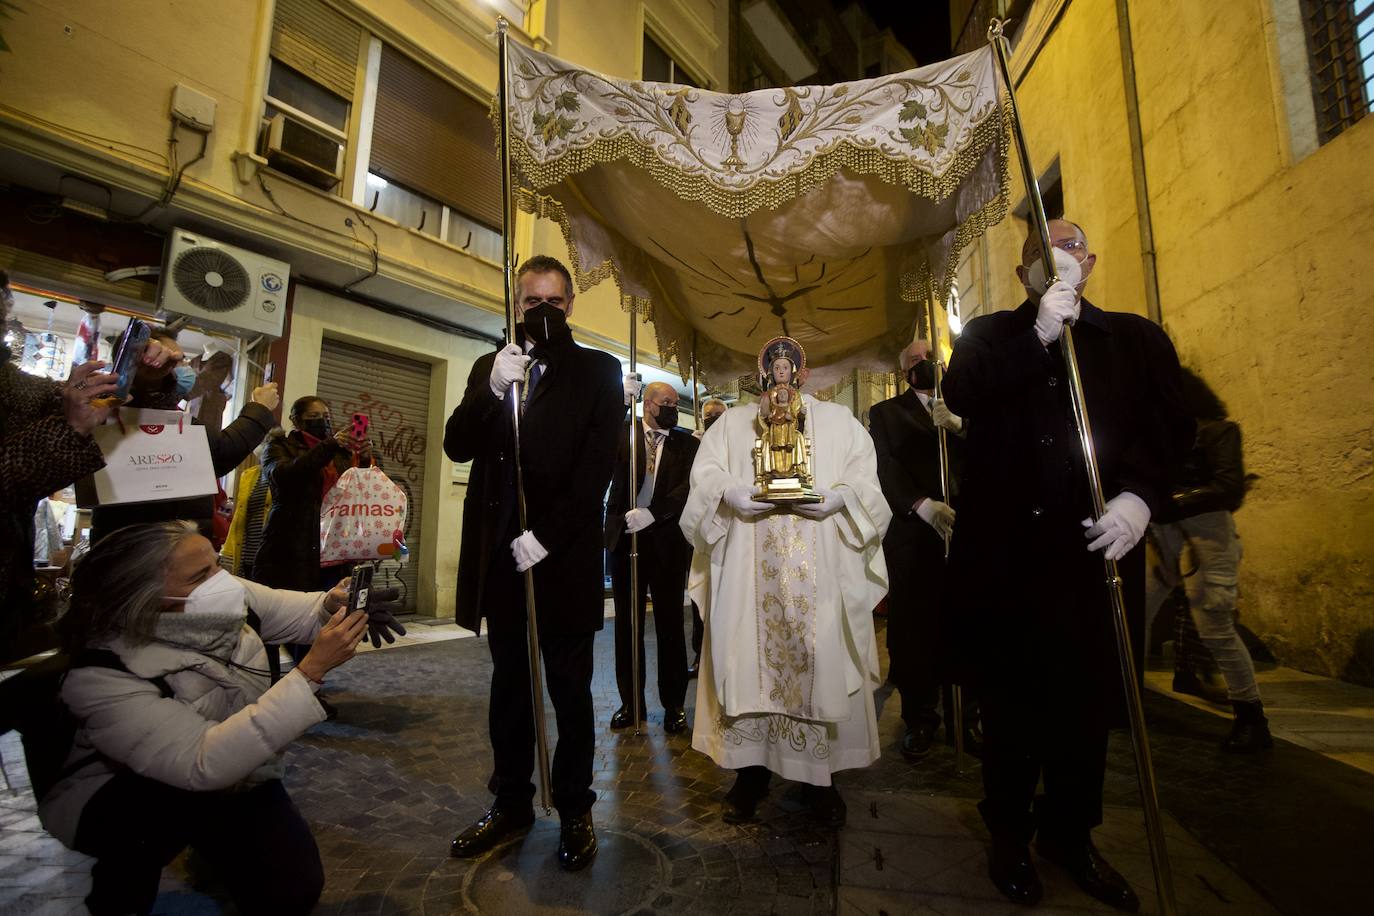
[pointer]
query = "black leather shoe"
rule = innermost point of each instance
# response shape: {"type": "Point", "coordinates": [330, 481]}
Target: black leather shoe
{"type": "Point", "coordinates": [490, 830]}
{"type": "Point", "coordinates": [918, 740]}
{"type": "Point", "coordinates": [1013, 872]}
{"type": "Point", "coordinates": [674, 721]}
{"type": "Point", "coordinates": [827, 806]}
{"type": "Point", "coordinates": [1092, 873]}
{"type": "Point", "coordinates": [576, 843]}
{"type": "Point", "coordinates": [623, 715]}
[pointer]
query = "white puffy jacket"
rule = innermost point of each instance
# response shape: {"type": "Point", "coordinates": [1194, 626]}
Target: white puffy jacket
{"type": "Point", "coordinates": [210, 734]}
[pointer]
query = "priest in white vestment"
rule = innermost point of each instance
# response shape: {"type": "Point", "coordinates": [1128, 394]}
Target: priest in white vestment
{"type": "Point", "coordinates": [787, 593]}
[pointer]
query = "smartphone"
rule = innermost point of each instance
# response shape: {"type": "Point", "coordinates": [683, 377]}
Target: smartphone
{"type": "Point", "coordinates": [128, 353]}
{"type": "Point", "coordinates": [269, 373]}
{"type": "Point", "coordinates": [359, 587]}
{"type": "Point", "coordinates": [360, 424]}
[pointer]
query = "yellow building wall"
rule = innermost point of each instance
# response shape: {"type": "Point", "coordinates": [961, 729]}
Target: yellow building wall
{"type": "Point", "coordinates": [1263, 278]}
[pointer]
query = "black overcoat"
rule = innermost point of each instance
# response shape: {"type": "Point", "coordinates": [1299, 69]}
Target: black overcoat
{"type": "Point", "coordinates": [1030, 600]}
{"type": "Point", "coordinates": [672, 480]}
{"type": "Point", "coordinates": [568, 435]}
{"type": "Point", "coordinates": [907, 448]}
{"type": "Point", "coordinates": [289, 556]}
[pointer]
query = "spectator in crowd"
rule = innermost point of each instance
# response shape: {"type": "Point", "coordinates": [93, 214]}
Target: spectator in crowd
{"type": "Point", "coordinates": [45, 444]}
{"type": "Point", "coordinates": [179, 730]}
{"type": "Point", "coordinates": [711, 410]}
{"type": "Point", "coordinates": [162, 383]}
{"type": "Point", "coordinates": [1197, 520]}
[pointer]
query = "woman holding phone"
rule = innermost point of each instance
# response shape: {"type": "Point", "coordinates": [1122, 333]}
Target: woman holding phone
{"type": "Point", "coordinates": [179, 727]}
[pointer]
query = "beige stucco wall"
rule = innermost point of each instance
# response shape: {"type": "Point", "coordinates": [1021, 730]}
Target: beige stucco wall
{"type": "Point", "coordinates": [1263, 276]}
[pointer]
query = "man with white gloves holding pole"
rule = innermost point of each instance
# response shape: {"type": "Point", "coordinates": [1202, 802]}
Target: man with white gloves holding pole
{"type": "Point", "coordinates": [1029, 599]}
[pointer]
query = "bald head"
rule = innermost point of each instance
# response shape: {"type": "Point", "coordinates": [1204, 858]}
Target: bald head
{"type": "Point", "coordinates": [918, 351]}
{"type": "Point", "coordinates": [660, 405]}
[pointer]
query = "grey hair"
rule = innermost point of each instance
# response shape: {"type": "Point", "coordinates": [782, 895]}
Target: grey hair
{"type": "Point", "coordinates": [118, 587]}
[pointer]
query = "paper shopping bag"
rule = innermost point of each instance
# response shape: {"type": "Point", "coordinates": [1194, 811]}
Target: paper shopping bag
{"type": "Point", "coordinates": [362, 517]}
{"type": "Point", "coordinates": [152, 455]}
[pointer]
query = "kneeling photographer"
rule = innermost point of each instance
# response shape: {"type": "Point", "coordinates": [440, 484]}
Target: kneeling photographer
{"type": "Point", "coordinates": [178, 726]}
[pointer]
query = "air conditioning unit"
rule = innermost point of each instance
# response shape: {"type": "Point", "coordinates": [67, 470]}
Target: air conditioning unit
{"type": "Point", "coordinates": [300, 151]}
{"type": "Point", "coordinates": [223, 287]}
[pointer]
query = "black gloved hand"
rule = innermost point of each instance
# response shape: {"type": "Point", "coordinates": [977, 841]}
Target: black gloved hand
{"type": "Point", "coordinates": [381, 620]}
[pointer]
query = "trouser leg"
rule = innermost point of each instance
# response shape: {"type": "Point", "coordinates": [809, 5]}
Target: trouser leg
{"type": "Point", "coordinates": [134, 827]}
{"type": "Point", "coordinates": [511, 710]}
{"type": "Point", "coordinates": [1161, 572]}
{"type": "Point", "coordinates": [912, 648]}
{"type": "Point", "coordinates": [1011, 768]}
{"type": "Point", "coordinates": [1212, 600]}
{"type": "Point", "coordinates": [262, 849]}
{"type": "Point", "coordinates": [1072, 804]}
{"type": "Point", "coordinates": [620, 590]}
{"type": "Point", "coordinates": [568, 671]}
{"type": "Point", "coordinates": [668, 583]}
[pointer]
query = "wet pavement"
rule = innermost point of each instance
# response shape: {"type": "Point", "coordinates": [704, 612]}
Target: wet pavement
{"type": "Point", "coordinates": [405, 766]}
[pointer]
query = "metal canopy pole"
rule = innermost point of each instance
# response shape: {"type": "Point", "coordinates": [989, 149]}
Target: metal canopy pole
{"type": "Point", "coordinates": [946, 493]}
{"type": "Point", "coordinates": [635, 660]}
{"type": "Point", "coordinates": [1140, 739]}
{"type": "Point", "coordinates": [541, 738]}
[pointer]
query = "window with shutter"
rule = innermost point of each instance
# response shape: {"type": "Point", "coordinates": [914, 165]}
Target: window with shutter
{"type": "Point", "coordinates": [432, 138]}
{"type": "Point", "coordinates": [319, 42]}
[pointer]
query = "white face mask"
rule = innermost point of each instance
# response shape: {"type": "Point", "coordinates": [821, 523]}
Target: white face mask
{"type": "Point", "coordinates": [221, 595]}
{"type": "Point", "coordinates": [1066, 265]}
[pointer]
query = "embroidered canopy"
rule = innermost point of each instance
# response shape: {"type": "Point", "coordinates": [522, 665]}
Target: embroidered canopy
{"type": "Point", "coordinates": [824, 213]}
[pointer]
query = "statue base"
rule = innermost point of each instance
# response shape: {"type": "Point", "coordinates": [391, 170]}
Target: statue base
{"type": "Point", "coordinates": [782, 490]}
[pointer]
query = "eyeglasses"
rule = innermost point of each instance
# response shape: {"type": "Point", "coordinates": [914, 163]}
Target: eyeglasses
{"type": "Point", "coordinates": [1076, 247]}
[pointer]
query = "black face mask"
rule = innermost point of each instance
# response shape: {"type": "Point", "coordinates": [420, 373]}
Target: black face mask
{"type": "Point", "coordinates": [319, 428]}
{"type": "Point", "coordinates": [545, 322]}
{"type": "Point", "coordinates": [921, 375]}
{"type": "Point", "coordinates": [711, 419]}
{"type": "Point", "coordinates": [667, 417]}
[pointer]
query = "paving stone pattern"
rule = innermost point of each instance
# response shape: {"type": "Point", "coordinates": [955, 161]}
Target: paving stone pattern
{"type": "Point", "coordinates": [405, 766]}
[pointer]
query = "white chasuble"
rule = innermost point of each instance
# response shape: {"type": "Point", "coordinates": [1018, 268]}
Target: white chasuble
{"type": "Point", "coordinates": [790, 658]}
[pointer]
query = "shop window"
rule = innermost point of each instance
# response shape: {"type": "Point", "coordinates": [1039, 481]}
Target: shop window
{"type": "Point", "coordinates": [660, 67]}
{"type": "Point", "coordinates": [1340, 45]}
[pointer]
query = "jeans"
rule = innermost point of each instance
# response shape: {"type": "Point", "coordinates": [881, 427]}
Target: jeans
{"type": "Point", "coordinates": [1202, 553]}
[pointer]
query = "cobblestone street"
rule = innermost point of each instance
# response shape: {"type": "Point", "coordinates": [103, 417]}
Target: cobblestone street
{"type": "Point", "coordinates": [405, 765]}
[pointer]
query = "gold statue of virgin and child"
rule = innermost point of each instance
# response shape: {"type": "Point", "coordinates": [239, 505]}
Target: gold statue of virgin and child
{"type": "Point", "coordinates": [782, 460]}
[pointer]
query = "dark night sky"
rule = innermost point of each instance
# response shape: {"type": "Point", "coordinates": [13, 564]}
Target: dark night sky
{"type": "Point", "coordinates": [921, 25]}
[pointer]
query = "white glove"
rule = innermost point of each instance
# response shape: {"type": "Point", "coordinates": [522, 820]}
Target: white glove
{"type": "Point", "coordinates": [937, 515]}
{"type": "Point", "coordinates": [943, 416]}
{"type": "Point", "coordinates": [638, 519]}
{"type": "Point", "coordinates": [741, 499]}
{"type": "Point", "coordinates": [1121, 527]}
{"type": "Point", "coordinates": [507, 369]}
{"type": "Point", "coordinates": [832, 503]}
{"type": "Point", "coordinates": [633, 385]}
{"type": "Point", "coordinates": [527, 551]}
{"type": "Point", "coordinates": [1058, 305]}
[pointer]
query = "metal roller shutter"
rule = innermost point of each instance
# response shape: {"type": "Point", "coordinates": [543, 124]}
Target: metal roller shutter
{"type": "Point", "coordinates": [394, 392]}
{"type": "Point", "coordinates": [318, 41]}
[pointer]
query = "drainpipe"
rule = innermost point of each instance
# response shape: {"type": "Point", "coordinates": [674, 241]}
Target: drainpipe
{"type": "Point", "coordinates": [1142, 190]}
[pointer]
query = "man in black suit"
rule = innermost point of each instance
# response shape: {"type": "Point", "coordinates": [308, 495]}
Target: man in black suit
{"type": "Point", "coordinates": [573, 411]}
{"type": "Point", "coordinates": [907, 445]}
{"type": "Point", "coordinates": [1029, 587]}
{"type": "Point", "coordinates": [660, 489]}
